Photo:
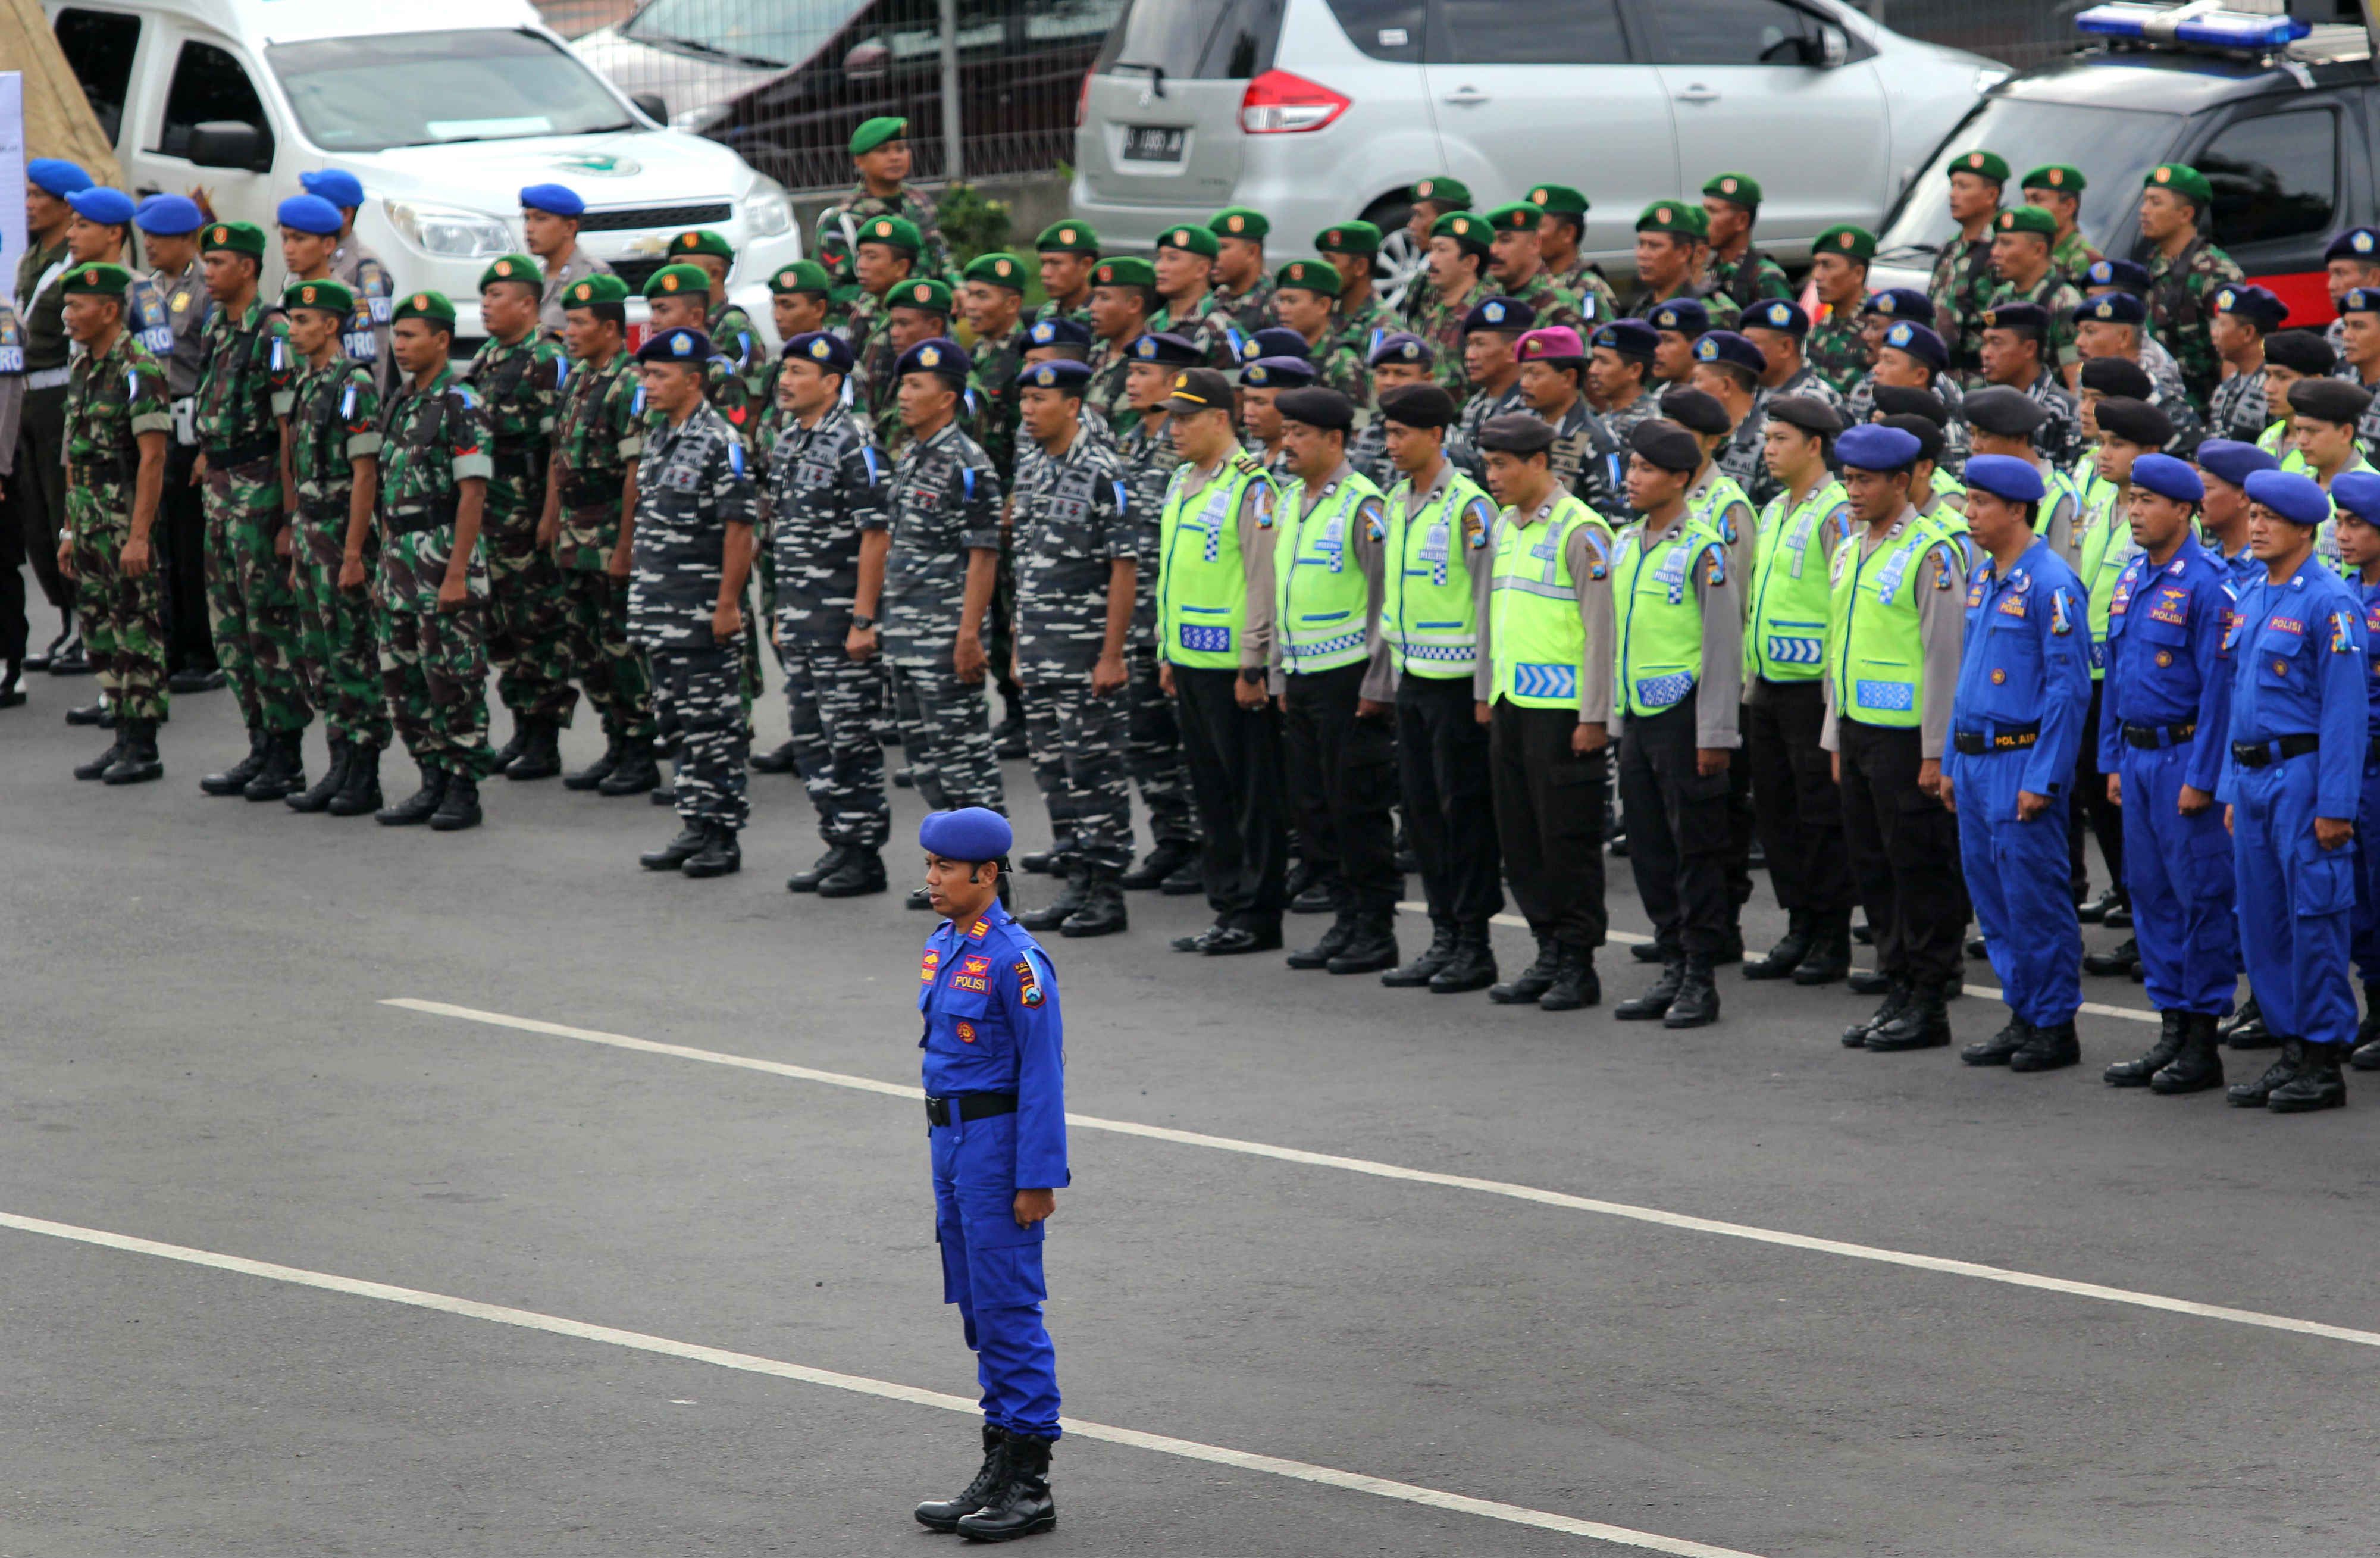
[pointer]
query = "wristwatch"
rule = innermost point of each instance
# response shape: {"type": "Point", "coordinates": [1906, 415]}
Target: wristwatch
{"type": "Point", "coordinates": [861, 619]}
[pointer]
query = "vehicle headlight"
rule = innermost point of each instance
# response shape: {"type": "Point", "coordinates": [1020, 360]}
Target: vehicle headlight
{"type": "Point", "coordinates": [767, 211]}
{"type": "Point", "coordinates": [449, 231]}
{"type": "Point", "coordinates": [1989, 77]}
{"type": "Point", "coordinates": [702, 120]}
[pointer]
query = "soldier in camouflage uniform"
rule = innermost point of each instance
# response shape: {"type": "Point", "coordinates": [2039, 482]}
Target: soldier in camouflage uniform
{"type": "Point", "coordinates": [1728, 369]}
{"type": "Point", "coordinates": [1882, 310]}
{"type": "Point", "coordinates": [250, 608]}
{"type": "Point", "coordinates": [2244, 315]}
{"type": "Point", "coordinates": [1068, 251]}
{"type": "Point", "coordinates": [550, 216]}
{"type": "Point", "coordinates": [117, 423]}
{"type": "Point", "coordinates": [1680, 324]}
{"type": "Point", "coordinates": [1562, 225]}
{"type": "Point", "coordinates": [880, 151]}
{"type": "Point", "coordinates": [1460, 244]}
{"type": "Point", "coordinates": [355, 267]}
{"type": "Point", "coordinates": [1304, 296]}
{"type": "Point", "coordinates": [1058, 340]}
{"type": "Point", "coordinates": [1078, 555]}
{"type": "Point", "coordinates": [1124, 291]}
{"type": "Point", "coordinates": [2115, 324]}
{"type": "Point", "coordinates": [1913, 358]}
{"type": "Point", "coordinates": [1153, 745]}
{"type": "Point", "coordinates": [991, 299]}
{"type": "Point", "coordinates": [1400, 358]}
{"type": "Point", "coordinates": [1491, 371]}
{"type": "Point", "coordinates": [1620, 381]}
{"type": "Point", "coordinates": [1778, 328]}
{"type": "Point", "coordinates": [598, 435]}
{"type": "Point", "coordinates": [733, 335]}
{"type": "Point", "coordinates": [1352, 249]}
{"type": "Point", "coordinates": [2021, 258]}
{"type": "Point", "coordinates": [914, 312]}
{"type": "Point", "coordinates": [885, 256]}
{"type": "Point", "coordinates": [2185, 272]}
{"type": "Point", "coordinates": [1181, 270]}
{"type": "Point", "coordinates": [801, 300]}
{"type": "Point", "coordinates": [1516, 270]}
{"type": "Point", "coordinates": [680, 299]}
{"type": "Point", "coordinates": [1836, 348]}
{"type": "Point", "coordinates": [1730, 207]}
{"type": "Point", "coordinates": [692, 539]}
{"type": "Point", "coordinates": [1243, 288]}
{"type": "Point", "coordinates": [1585, 459]}
{"type": "Point", "coordinates": [1670, 235]}
{"type": "Point", "coordinates": [333, 459]}
{"type": "Point", "coordinates": [2013, 357]}
{"type": "Point", "coordinates": [435, 464]}
{"type": "Point", "coordinates": [310, 241]}
{"type": "Point", "coordinates": [1962, 281]}
{"type": "Point", "coordinates": [517, 376]}
{"type": "Point", "coordinates": [2056, 189]}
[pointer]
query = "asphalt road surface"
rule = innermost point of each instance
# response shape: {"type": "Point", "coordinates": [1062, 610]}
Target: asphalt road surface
{"type": "Point", "coordinates": [387, 1193]}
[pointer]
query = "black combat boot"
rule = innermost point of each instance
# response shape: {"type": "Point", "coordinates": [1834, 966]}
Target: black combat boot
{"type": "Point", "coordinates": [2319, 1083]}
{"type": "Point", "coordinates": [674, 854]}
{"type": "Point", "coordinates": [361, 792]}
{"type": "Point", "coordinates": [1334, 941]}
{"type": "Point", "coordinates": [1697, 1000]}
{"type": "Point", "coordinates": [1313, 898]}
{"type": "Point", "coordinates": [2171, 1025]}
{"type": "Point", "coordinates": [595, 772]}
{"type": "Point", "coordinates": [1921, 1023]}
{"type": "Point", "coordinates": [1830, 957]}
{"type": "Point", "coordinates": [943, 1514]}
{"type": "Point", "coordinates": [1528, 987]}
{"type": "Point", "coordinates": [505, 754]}
{"type": "Point", "coordinates": [1103, 913]}
{"type": "Point", "coordinates": [777, 759]}
{"type": "Point", "coordinates": [1188, 881]}
{"type": "Point", "coordinates": [1575, 985]}
{"type": "Point", "coordinates": [2245, 1029]}
{"type": "Point", "coordinates": [232, 781]}
{"type": "Point", "coordinates": [1021, 1505]}
{"type": "Point", "coordinates": [2364, 1055]}
{"type": "Point", "coordinates": [97, 767]}
{"type": "Point", "coordinates": [2113, 965]}
{"type": "Point", "coordinates": [1786, 956]}
{"type": "Point", "coordinates": [2001, 1047]}
{"type": "Point", "coordinates": [822, 867]}
{"type": "Point", "coordinates": [90, 715]}
{"type": "Point", "coordinates": [1473, 965]}
{"type": "Point", "coordinates": [1043, 862]}
{"type": "Point", "coordinates": [138, 763]}
{"type": "Point", "coordinates": [284, 773]}
{"type": "Point", "coordinates": [2048, 1048]}
{"type": "Point", "coordinates": [1170, 855]}
{"type": "Point", "coordinates": [1655, 1002]}
{"type": "Point", "coordinates": [1647, 952]}
{"type": "Point", "coordinates": [1870, 981]}
{"type": "Point", "coordinates": [1425, 962]}
{"type": "Point", "coordinates": [1371, 949]}
{"type": "Point", "coordinates": [1075, 896]}
{"type": "Point", "coordinates": [1897, 994]}
{"type": "Point", "coordinates": [634, 772]}
{"type": "Point", "coordinates": [333, 780]}
{"type": "Point", "coordinates": [541, 756]}
{"type": "Point", "coordinates": [720, 854]}
{"type": "Point", "coordinates": [860, 873]}
{"type": "Point", "coordinates": [2256, 1094]}
{"type": "Point", "coordinates": [459, 807]}
{"type": "Point", "coordinates": [2199, 1065]}
{"type": "Point", "coordinates": [419, 806]}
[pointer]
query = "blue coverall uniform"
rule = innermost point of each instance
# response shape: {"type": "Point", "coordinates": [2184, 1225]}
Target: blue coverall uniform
{"type": "Point", "coordinates": [2016, 722]}
{"type": "Point", "coordinates": [2169, 706]}
{"type": "Point", "coordinates": [2298, 663]}
{"type": "Point", "coordinates": [993, 1032]}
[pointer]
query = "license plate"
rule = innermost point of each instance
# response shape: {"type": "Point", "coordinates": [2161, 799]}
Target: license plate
{"type": "Point", "coordinates": [1153, 143]}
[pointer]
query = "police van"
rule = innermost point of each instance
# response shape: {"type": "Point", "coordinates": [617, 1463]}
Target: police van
{"type": "Point", "coordinates": [443, 109]}
{"type": "Point", "coordinates": [2279, 109]}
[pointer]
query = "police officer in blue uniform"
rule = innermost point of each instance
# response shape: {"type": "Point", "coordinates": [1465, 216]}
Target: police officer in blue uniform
{"type": "Point", "coordinates": [995, 1073]}
{"type": "Point", "coordinates": [2291, 786]}
{"type": "Point", "coordinates": [2355, 513]}
{"type": "Point", "coordinates": [2025, 681]}
{"type": "Point", "coordinates": [2166, 700]}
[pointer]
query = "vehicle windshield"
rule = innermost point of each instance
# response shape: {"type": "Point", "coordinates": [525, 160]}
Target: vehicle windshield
{"type": "Point", "coordinates": [2114, 147]}
{"type": "Point", "coordinates": [421, 88]}
{"type": "Point", "coordinates": [775, 34]}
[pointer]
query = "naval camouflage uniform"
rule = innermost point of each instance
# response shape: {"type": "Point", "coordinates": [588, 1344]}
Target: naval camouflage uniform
{"type": "Point", "coordinates": [250, 608]}
{"type": "Point", "coordinates": [334, 421]}
{"type": "Point", "coordinates": [1834, 349]}
{"type": "Point", "coordinates": [433, 664]}
{"type": "Point", "coordinates": [112, 399]}
{"type": "Point", "coordinates": [1961, 288]}
{"type": "Point", "coordinates": [2237, 408]}
{"type": "Point", "coordinates": [520, 389]}
{"type": "Point", "coordinates": [692, 489]}
{"type": "Point", "coordinates": [2058, 439]}
{"type": "Point", "coordinates": [1463, 444]}
{"type": "Point", "coordinates": [945, 504]}
{"type": "Point", "coordinates": [596, 437]}
{"type": "Point", "coordinates": [1583, 458]}
{"type": "Point", "coordinates": [1740, 457]}
{"type": "Point", "coordinates": [2181, 310]}
{"type": "Point", "coordinates": [1153, 750]}
{"type": "Point", "coordinates": [1806, 380]}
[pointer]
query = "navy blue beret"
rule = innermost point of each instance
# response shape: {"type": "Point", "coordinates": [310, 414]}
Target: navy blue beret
{"type": "Point", "coordinates": [310, 213]}
{"type": "Point", "coordinates": [2005, 475]}
{"type": "Point", "coordinates": [1901, 302]}
{"type": "Point", "coordinates": [829, 351]}
{"type": "Point", "coordinates": [2258, 305]}
{"type": "Point", "coordinates": [57, 176]}
{"type": "Point", "coordinates": [1726, 346]}
{"type": "Point", "coordinates": [1273, 341]}
{"type": "Point", "coordinates": [2357, 492]}
{"type": "Point", "coordinates": [168, 215]}
{"type": "Point", "coordinates": [1873, 447]}
{"type": "Point", "coordinates": [558, 200]}
{"type": "Point", "coordinates": [2354, 300]}
{"type": "Point", "coordinates": [1629, 338]}
{"type": "Point", "coordinates": [337, 185]}
{"type": "Point", "coordinates": [1168, 351]}
{"type": "Point", "coordinates": [1778, 314]}
{"type": "Point", "coordinates": [2121, 275]}
{"type": "Point", "coordinates": [1504, 315]}
{"type": "Point", "coordinates": [1066, 375]}
{"type": "Point", "coordinates": [1059, 332]}
{"type": "Point", "coordinates": [940, 355]}
{"type": "Point", "coordinates": [1920, 342]}
{"type": "Point", "coordinates": [2166, 477]}
{"type": "Point", "coordinates": [2113, 307]}
{"type": "Point", "coordinates": [678, 344]}
{"type": "Point", "coordinates": [1686, 316]}
{"type": "Point", "coordinates": [1402, 347]}
{"type": "Point", "coordinates": [972, 833]}
{"type": "Point", "coordinates": [2362, 244]}
{"type": "Point", "coordinates": [2227, 459]}
{"type": "Point", "coordinates": [2295, 498]}
{"type": "Point", "coordinates": [1278, 372]}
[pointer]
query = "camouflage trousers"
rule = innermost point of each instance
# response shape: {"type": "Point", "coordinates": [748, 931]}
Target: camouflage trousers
{"type": "Point", "coordinates": [698, 697]}
{"type": "Point", "coordinates": [946, 734]}
{"type": "Point", "coordinates": [1153, 753]}
{"type": "Point", "coordinates": [527, 624]}
{"type": "Point", "coordinates": [122, 621]}
{"type": "Point", "coordinates": [597, 655]}
{"type": "Point", "coordinates": [251, 610]}
{"type": "Point", "coordinates": [1077, 739]}
{"type": "Point", "coordinates": [828, 701]}
{"type": "Point", "coordinates": [433, 664]}
{"type": "Point", "coordinates": [339, 642]}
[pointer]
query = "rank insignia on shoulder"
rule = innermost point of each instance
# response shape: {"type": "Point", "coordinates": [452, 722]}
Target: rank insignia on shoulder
{"type": "Point", "coordinates": [1264, 508]}
{"type": "Point", "coordinates": [1028, 986]}
{"type": "Point", "coordinates": [2061, 621]}
{"type": "Point", "coordinates": [1475, 526]}
{"type": "Point", "coordinates": [2342, 638]}
{"type": "Point", "coordinates": [1714, 566]}
{"type": "Point", "coordinates": [1376, 525]}
{"type": "Point", "coordinates": [933, 961]}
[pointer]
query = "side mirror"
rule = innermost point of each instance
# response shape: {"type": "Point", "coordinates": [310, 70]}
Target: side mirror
{"type": "Point", "coordinates": [230, 143]}
{"type": "Point", "coordinates": [651, 105]}
{"type": "Point", "coordinates": [870, 61]}
{"type": "Point", "coordinates": [1834, 48]}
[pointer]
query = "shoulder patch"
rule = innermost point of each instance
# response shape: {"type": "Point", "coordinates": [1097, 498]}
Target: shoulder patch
{"type": "Point", "coordinates": [1476, 523]}
{"type": "Point", "coordinates": [2061, 618]}
{"type": "Point", "coordinates": [2342, 635]}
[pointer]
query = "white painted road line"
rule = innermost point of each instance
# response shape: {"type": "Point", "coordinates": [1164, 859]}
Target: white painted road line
{"type": "Point", "coordinates": [1633, 938]}
{"type": "Point", "coordinates": [1563, 1200]}
{"type": "Point", "coordinates": [859, 1384]}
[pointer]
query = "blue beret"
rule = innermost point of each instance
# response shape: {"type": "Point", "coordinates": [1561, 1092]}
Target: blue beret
{"type": "Point", "coordinates": [2229, 460]}
{"type": "Point", "coordinates": [972, 833]}
{"type": "Point", "coordinates": [2295, 498]}
{"type": "Point", "coordinates": [1685, 317]}
{"type": "Point", "coordinates": [2169, 478]}
{"type": "Point", "coordinates": [1068, 376]}
{"type": "Point", "coordinates": [1901, 302]}
{"type": "Point", "coordinates": [1920, 342]}
{"type": "Point", "coordinates": [2362, 244]}
{"type": "Point", "coordinates": [97, 204]}
{"type": "Point", "coordinates": [1274, 341]}
{"type": "Point", "coordinates": [1278, 372]}
{"type": "Point", "coordinates": [1500, 314]}
{"type": "Point", "coordinates": [558, 199]}
{"type": "Point", "coordinates": [2354, 300]}
{"type": "Point", "coordinates": [940, 355]}
{"type": "Point", "coordinates": [2001, 475]}
{"type": "Point", "coordinates": [311, 213]}
{"type": "Point", "coordinates": [2258, 305]}
{"type": "Point", "coordinates": [829, 351]}
{"type": "Point", "coordinates": [1063, 331]}
{"type": "Point", "coordinates": [2113, 307]}
{"type": "Point", "coordinates": [337, 185]}
{"type": "Point", "coordinates": [1168, 351]}
{"type": "Point", "coordinates": [1726, 346]}
{"type": "Point", "coordinates": [678, 344]}
{"type": "Point", "coordinates": [2121, 275]}
{"type": "Point", "coordinates": [1629, 338]}
{"type": "Point", "coordinates": [1402, 347]}
{"type": "Point", "coordinates": [1778, 314]}
{"type": "Point", "coordinates": [1873, 446]}
{"type": "Point", "coordinates": [2357, 492]}
{"type": "Point", "coordinates": [170, 215]}
{"type": "Point", "coordinates": [57, 176]}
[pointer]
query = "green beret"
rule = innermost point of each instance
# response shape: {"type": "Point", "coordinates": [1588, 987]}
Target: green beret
{"type": "Point", "coordinates": [1311, 275]}
{"type": "Point", "coordinates": [1558, 199]}
{"type": "Point", "coordinates": [2186, 182]}
{"type": "Point", "coordinates": [1446, 194]}
{"type": "Point", "coordinates": [702, 240]}
{"type": "Point", "coordinates": [1067, 237]}
{"type": "Point", "coordinates": [2028, 219]}
{"type": "Point", "coordinates": [1197, 240]}
{"type": "Point", "coordinates": [99, 279]}
{"type": "Point", "coordinates": [328, 297]}
{"type": "Point", "coordinates": [1349, 238]}
{"type": "Point", "coordinates": [893, 232]}
{"type": "Point", "coordinates": [1000, 270]}
{"type": "Point", "coordinates": [432, 306]}
{"type": "Point", "coordinates": [236, 237]}
{"type": "Point", "coordinates": [1472, 232]}
{"type": "Point", "coordinates": [1518, 216]}
{"type": "Point", "coordinates": [925, 294]}
{"type": "Point", "coordinates": [513, 267]}
{"type": "Point", "coordinates": [588, 291]}
{"type": "Point", "coordinates": [874, 133]}
{"type": "Point", "coordinates": [1674, 216]}
{"type": "Point", "coordinates": [2056, 177]}
{"type": "Point", "coordinates": [802, 276]}
{"type": "Point", "coordinates": [1850, 241]}
{"type": "Point", "coordinates": [1126, 269]}
{"type": "Point", "coordinates": [1239, 222]}
{"type": "Point", "coordinates": [1983, 165]}
{"type": "Point", "coordinates": [1736, 188]}
{"type": "Point", "coordinates": [671, 280]}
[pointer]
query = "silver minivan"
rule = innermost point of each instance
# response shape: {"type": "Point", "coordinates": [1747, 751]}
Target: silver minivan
{"type": "Point", "coordinates": [1313, 111]}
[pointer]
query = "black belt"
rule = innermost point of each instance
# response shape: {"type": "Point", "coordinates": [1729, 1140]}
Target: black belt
{"type": "Point", "coordinates": [2000, 739]}
{"type": "Point", "coordinates": [962, 1107]}
{"type": "Point", "coordinates": [2149, 738]}
{"type": "Point", "coordinates": [2280, 748]}
{"type": "Point", "coordinates": [243, 453]}
{"type": "Point", "coordinates": [417, 521]}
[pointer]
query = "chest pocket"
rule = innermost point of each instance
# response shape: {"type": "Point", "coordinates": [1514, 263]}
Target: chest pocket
{"type": "Point", "coordinates": [2280, 657]}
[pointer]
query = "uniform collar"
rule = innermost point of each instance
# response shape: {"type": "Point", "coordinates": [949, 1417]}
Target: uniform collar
{"type": "Point", "coordinates": [992, 919]}
{"type": "Point", "coordinates": [2027, 560]}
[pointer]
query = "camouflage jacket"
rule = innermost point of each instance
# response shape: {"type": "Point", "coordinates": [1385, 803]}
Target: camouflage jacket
{"type": "Point", "coordinates": [997, 364]}
{"type": "Point", "coordinates": [431, 439]}
{"type": "Point", "coordinates": [1548, 302]}
{"type": "Point", "coordinates": [1722, 308]}
{"type": "Point", "coordinates": [1248, 311]}
{"type": "Point", "coordinates": [734, 338]}
{"type": "Point", "coordinates": [248, 363]}
{"type": "Point", "coordinates": [692, 483]}
{"type": "Point", "coordinates": [1049, 309]}
{"type": "Point", "coordinates": [1072, 518]}
{"type": "Point", "coordinates": [934, 259]}
{"type": "Point", "coordinates": [1835, 348]}
{"type": "Point", "coordinates": [2073, 255]}
{"type": "Point", "coordinates": [826, 486]}
{"type": "Point", "coordinates": [1960, 289]}
{"type": "Point", "coordinates": [1338, 366]}
{"type": "Point", "coordinates": [333, 422]}
{"type": "Point", "coordinates": [1809, 382]}
{"type": "Point", "coordinates": [1751, 278]}
{"type": "Point", "coordinates": [1106, 393]}
{"type": "Point", "coordinates": [2059, 438]}
{"type": "Point", "coordinates": [1361, 327]}
{"type": "Point", "coordinates": [2237, 408]}
{"type": "Point", "coordinates": [1621, 423]}
{"type": "Point", "coordinates": [519, 387]}
{"type": "Point", "coordinates": [945, 503]}
{"type": "Point", "coordinates": [722, 388]}
{"type": "Point", "coordinates": [2058, 299]}
{"type": "Point", "coordinates": [1369, 453]}
{"type": "Point", "coordinates": [1462, 444]}
{"type": "Point", "coordinates": [1583, 282]}
{"type": "Point", "coordinates": [1150, 461]}
{"type": "Point", "coordinates": [1585, 458]}
{"type": "Point", "coordinates": [1740, 457]}
{"type": "Point", "coordinates": [112, 399]}
{"type": "Point", "coordinates": [1440, 324]}
{"type": "Point", "coordinates": [597, 435]}
{"type": "Point", "coordinates": [2181, 310]}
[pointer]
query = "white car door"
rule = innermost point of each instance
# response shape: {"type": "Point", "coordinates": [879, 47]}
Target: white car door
{"type": "Point", "coordinates": [1772, 89]}
{"type": "Point", "coordinates": [1553, 94]}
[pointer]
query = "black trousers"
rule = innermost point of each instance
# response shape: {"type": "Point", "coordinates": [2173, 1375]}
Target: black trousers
{"type": "Point", "coordinates": [1550, 805]}
{"type": "Point", "coordinates": [182, 524]}
{"type": "Point", "coordinates": [1342, 782]}
{"type": "Point", "coordinates": [41, 486]}
{"type": "Point", "coordinates": [1450, 809]}
{"type": "Point", "coordinates": [1679, 831]}
{"type": "Point", "coordinates": [1235, 777]}
{"type": "Point", "coordinates": [1796, 805]}
{"type": "Point", "coordinates": [1904, 855]}
{"type": "Point", "coordinates": [2092, 811]}
{"type": "Point", "coordinates": [13, 626]}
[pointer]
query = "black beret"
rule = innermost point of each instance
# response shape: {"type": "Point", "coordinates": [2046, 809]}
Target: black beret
{"type": "Point", "coordinates": [2118, 375]}
{"type": "Point", "coordinates": [1666, 444]}
{"type": "Point", "coordinates": [1317, 406]}
{"type": "Point", "coordinates": [1516, 433]}
{"type": "Point", "coordinates": [1807, 412]}
{"type": "Point", "coordinates": [2329, 400]}
{"type": "Point", "coordinates": [1898, 400]}
{"type": "Point", "coordinates": [1695, 412]}
{"type": "Point", "coordinates": [2135, 422]}
{"type": "Point", "coordinates": [1418, 406]}
{"type": "Point", "coordinates": [1925, 430]}
{"type": "Point", "coordinates": [2008, 413]}
{"type": "Point", "coordinates": [2300, 351]}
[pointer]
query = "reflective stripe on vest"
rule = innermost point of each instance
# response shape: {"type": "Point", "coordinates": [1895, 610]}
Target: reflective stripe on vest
{"type": "Point", "coordinates": [1537, 642]}
{"type": "Point", "coordinates": [1876, 649]}
{"type": "Point", "coordinates": [1426, 615]}
{"type": "Point", "coordinates": [1321, 598]}
{"type": "Point", "coordinates": [1788, 638]}
{"type": "Point", "coordinates": [2105, 556]}
{"type": "Point", "coordinates": [1202, 584]}
{"type": "Point", "coordinates": [1661, 625]}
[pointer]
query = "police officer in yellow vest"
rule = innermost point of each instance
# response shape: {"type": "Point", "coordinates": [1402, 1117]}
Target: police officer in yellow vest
{"type": "Point", "coordinates": [1544, 688]}
{"type": "Point", "coordinates": [1678, 662]}
{"type": "Point", "coordinates": [1337, 685]}
{"type": "Point", "coordinates": [1215, 630]}
{"type": "Point", "coordinates": [1895, 621]}
{"type": "Point", "coordinates": [1431, 608]}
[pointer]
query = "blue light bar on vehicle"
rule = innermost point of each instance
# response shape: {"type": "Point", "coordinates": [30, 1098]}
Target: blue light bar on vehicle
{"type": "Point", "coordinates": [2205, 30]}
